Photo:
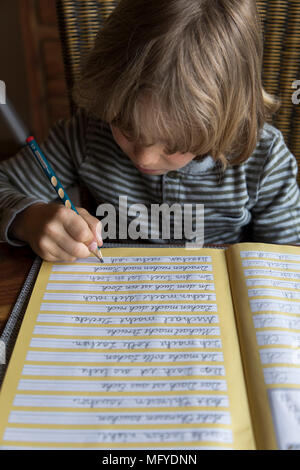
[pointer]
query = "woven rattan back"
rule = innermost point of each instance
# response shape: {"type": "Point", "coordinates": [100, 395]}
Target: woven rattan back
{"type": "Point", "coordinates": [281, 68]}
{"type": "Point", "coordinates": [79, 21]}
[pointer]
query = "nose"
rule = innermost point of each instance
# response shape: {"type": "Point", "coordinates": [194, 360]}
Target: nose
{"type": "Point", "coordinates": [145, 156]}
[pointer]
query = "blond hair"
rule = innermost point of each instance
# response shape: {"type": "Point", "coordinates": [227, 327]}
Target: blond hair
{"type": "Point", "coordinates": [183, 72]}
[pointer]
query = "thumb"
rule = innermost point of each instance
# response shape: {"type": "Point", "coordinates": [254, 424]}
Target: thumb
{"type": "Point", "coordinates": [94, 224]}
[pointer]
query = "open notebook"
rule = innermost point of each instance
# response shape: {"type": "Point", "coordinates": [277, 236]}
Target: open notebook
{"type": "Point", "coordinates": [159, 348]}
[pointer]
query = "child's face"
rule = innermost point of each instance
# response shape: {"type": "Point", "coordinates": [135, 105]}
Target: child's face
{"type": "Point", "coordinates": [151, 160]}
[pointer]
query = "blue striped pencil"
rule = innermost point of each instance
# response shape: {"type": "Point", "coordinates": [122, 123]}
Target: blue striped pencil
{"type": "Point", "coordinates": [55, 182]}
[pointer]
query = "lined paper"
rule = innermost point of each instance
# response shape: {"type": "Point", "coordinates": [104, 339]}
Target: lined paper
{"type": "Point", "coordinates": [273, 282]}
{"type": "Point", "coordinates": [129, 354]}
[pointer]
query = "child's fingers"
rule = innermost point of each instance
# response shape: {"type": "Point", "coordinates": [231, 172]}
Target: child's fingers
{"type": "Point", "coordinates": [93, 223]}
{"type": "Point", "coordinates": [57, 254]}
{"type": "Point", "coordinates": [75, 249]}
{"type": "Point", "coordinates": [77, 228]}
{"type": "Point", "coordinates": [68, 231]}
{"type": "Point", "coordinates": [48, 249]}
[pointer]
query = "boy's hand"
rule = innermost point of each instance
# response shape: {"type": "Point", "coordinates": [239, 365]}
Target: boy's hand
{"type": "Point", "coordinates": [56, 233]}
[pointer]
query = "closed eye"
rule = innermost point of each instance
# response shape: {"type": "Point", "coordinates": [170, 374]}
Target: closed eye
{"type": "Point", "coordinates": [126, 136]}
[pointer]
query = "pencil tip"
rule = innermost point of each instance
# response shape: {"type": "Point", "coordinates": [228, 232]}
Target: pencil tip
{"type": "Point", "coordinates": [100, 257]}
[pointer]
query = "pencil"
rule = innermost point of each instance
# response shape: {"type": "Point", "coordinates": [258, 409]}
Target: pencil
{"type": "Point", "coordinates": [55, 182]}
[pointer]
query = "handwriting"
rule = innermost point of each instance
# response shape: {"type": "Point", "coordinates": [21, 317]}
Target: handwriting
{"type": "Point", "coordinates": [130, 287]}
{"type": "Point", "coordinates": [132, 332]}
{"type": "Point", "coordinates": [176, 401]}
{"type": "Point", "coordinates": [279, 356]}
{"type": "Point", "coordinates": [274, 305]}
{"type": "Point", "coordinates": [278, 337]}
{"type": "Point", "coordinates": [271, 264]}
{"type": "Point", "coordinates": [131, 268]}
{"type": "Point", "coordinates": [121, 419]}
{"type": "Point", "coordinates": [267, 255]}
{"type": "Point", "coordinates": [133, 277]}
{"type": "Point", "coordinates": [133, 344]}
{"type": "Point", "coordinates": [155, 320]}
{"type": "Point", "coordinates": [147, 259]}
{"type": "Point", "coordinates": [122, 386]}
{"type": "Point", "coordinates": [273, 293]}
{"type": "Point", "coordinates": [285, 405]}
{"type": "Point", "coordinates": [133, 308]}
{"type": "Point", "coordinates": [129, 351]}
{"type": "Point", "coordinates": [291, 400]}
{"type": "Point", "coordinates": [282, 375]}
{"type": "Point", "coordinates": [272, 283]}
{"type": "Point", "coordinates": [270, 272]}
{"type": "Point", "coordinates": [124, 371]}
{"type": "Point", "coordinates": [148, 357]}
{"type": "Point", "coordinates": [130, 297]}
{"type": "Point", "coordinates": [146, 372]}
{"type": "Point", "coordinates": [118, 436]}
{"type": "Point", "coordinates": [276, 321]}
{"type": "Point", "coordinates": [157, 259]}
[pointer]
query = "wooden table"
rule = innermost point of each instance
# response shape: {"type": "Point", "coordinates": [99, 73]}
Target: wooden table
{"type": "Point", "coordinates": [15, 263]}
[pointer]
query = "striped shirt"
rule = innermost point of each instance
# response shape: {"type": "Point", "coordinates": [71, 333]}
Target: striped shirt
{"type": "Point", "coordinates": [255, 201]}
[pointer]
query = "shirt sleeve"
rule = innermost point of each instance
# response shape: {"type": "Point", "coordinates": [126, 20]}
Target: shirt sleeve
{"type": "Point", "coordinates": [22, 181]}
{"type": "Point", "coordinates": [276, 215]}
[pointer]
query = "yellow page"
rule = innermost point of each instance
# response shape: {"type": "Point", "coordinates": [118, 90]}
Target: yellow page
{"type": "Point", "coordinates": [266, 293]}
{"type": "Point", "coordinates": [140, 352]}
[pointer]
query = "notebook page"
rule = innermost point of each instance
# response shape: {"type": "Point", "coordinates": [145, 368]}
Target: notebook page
{"type": "Point", "coordinates": [140, 352]}
{"type": "Point", "coordinates": [268, 304]}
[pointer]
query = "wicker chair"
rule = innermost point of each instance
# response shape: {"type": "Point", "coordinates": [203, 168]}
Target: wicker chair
{"type": "Point", "coordinates": [79, 21]}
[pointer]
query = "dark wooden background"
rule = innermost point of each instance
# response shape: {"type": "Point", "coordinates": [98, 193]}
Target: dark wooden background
{"type": "Point", "coordinates": [32, 67]}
